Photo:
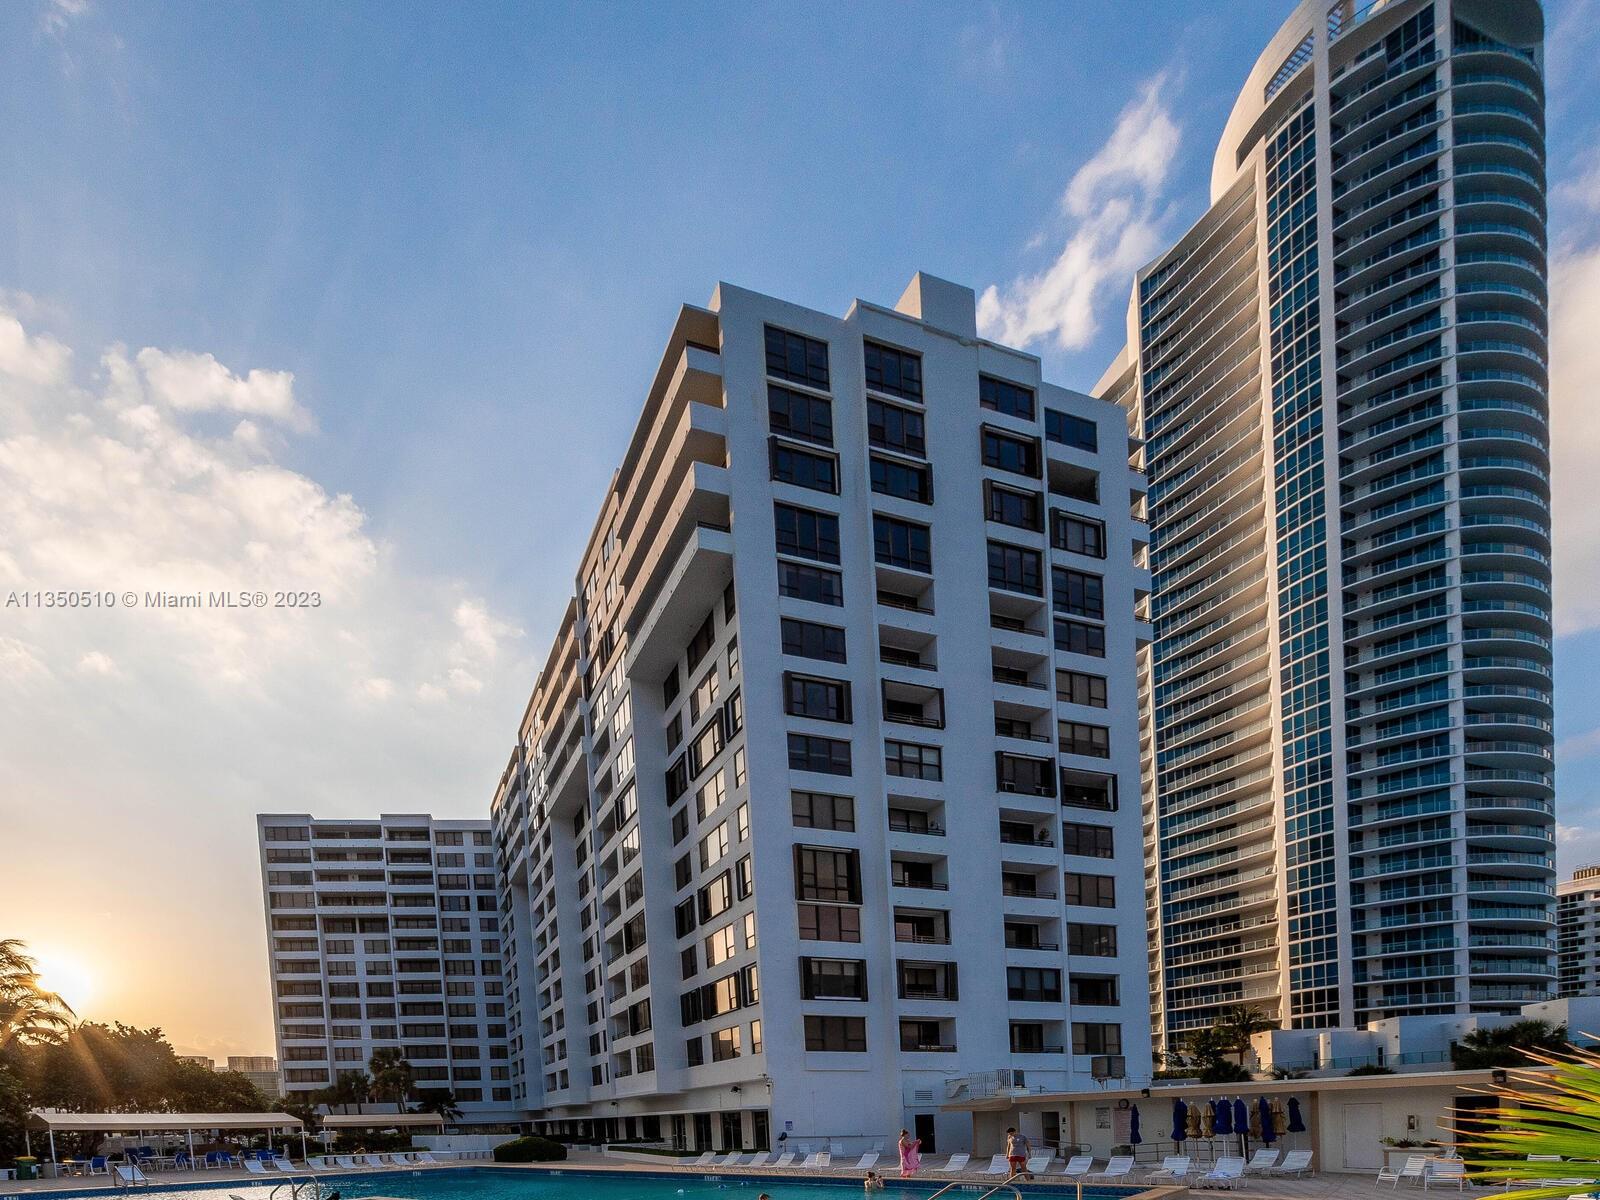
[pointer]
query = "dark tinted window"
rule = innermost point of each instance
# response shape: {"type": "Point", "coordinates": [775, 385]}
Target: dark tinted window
{"type": "Point", "coordinates": [811, 696]}
{"type": "Point", "coordinates": [806, 534]}
{"type": "Point", "coordinates": [1079, 638]}
{"type": "Point", "coordinates": [800, 414]}
{"type": "Point", "coordinates": [900, 543]}
{"type": "Point", "coordinates": [828, 756]}
{"type": "Point", "coordinates": [794, 356]}
{"type": "Point", "coordinates": [816, 584]}
{"type": "Point", "coordinates": [1078, 593]}
{"type": "Point", "coordinates": [891, 427]}
{"type": "Point", "coordinates": [807, 639]}
{"type": "Point", "coordinates": [909, 481]}
{"type": "Point", "coordinates": [1070, 430]}
{"type": "Point", "coordinates": [1016, 569]}
{"type": "Point", "coordinates": [1003, 396]}
{"type": "Point", "coordinates": [898, 372]}
{"type": "Point", "coordinates": [790, 464]}
{"type": "Point", "coordinates": [1024, 510]}
{"type": "Point", "coordinates": [1007, 452]}
{"type": "Point", "coordinates": [1081, 535]}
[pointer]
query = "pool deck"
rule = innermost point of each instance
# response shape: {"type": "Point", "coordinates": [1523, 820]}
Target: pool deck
{"type": "Point", "coordinates": [1315, 1187]}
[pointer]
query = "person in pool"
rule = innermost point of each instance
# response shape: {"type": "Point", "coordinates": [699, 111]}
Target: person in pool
{"type": "Point", "coordinates": [873, 1182]}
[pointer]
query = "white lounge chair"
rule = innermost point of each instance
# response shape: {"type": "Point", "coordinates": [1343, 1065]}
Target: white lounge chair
{"type": "Point", "coordinates": [731, 1159]}
{"type": "Point", "coordinates": [784, 1161]}
{"type": "Point", "coordinates": [820, 1161]}
{"type": "Point", "coordinates": [427, 1160]}
{"type": "Point", "coordinates": [1174, 1167]}
{"type": "Point", "coordinates": [255, 1166]}
{"type": "Point", "coordinates": [1445, 1171]}
{"type": "Point", "coordinates": [132, 1176]}
{"type": "Point", "coordinates": [373, 1160]}
{"type": "Point", "coordinates": [345, 1161]}
{"type": "Point", "coordinates": [1076, 1167]}
{"type": "Point", "coordinates": [1411, 1169]}
{"type": "Point", "coordinates": [1228, 1172]}
{"type": "Point", "coordinates": [1263, 1160]}
{"type": "Point", "coordinates": [867, 1161]}
{"type": "Point", "coordinates": [1296, 1163]}
{"type": "Point", "coordinates": [704, 1160]}
{"type": "Point", "coordinates": [956, 1164]}
{"type": "Point", "coordinates": [1120, 1167]}
{"type": "Point", "coordinates": [1037, 1164]}
{"type": "Point", "coordinates": [998, 1165]}
{"type": "Point", "coordinates": [283, 1164]}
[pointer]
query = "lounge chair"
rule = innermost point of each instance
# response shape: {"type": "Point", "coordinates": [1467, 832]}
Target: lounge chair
{"type": "Point", "coordinates": [1296, 1163]}
{"type": "Point", "coordinates": [731, 1159]}
{"type": "Point", "coordinates": [346, 1161]}
{"type": "Point", "coordinates": [820, 1160]}
{"type": "Point", "coordinates": [283, 1164]}
{"type": "Point", "coordinates": [132, 1176]}
{"type": "Point", "coordinates": [1173, 1168]}
{"type": "Point", "coordinates": [373, 1160]}
{"type": "Point", "coordinates": [1076, 1168]}
{"type": "Point", "coordinates": [1120, 1167]}
{"type": "Point", "coordinates": [704, 1160]}
{"type": "Point", "coordinates": [1228, 1172]}
{"type": "Point", "coordinates": [97, 1166]}
{"type": "Point", "coordinates": [784, 1161]}
{"type": "Point", "coordinates": [998, 1165]}
{"type": "Point", "coordinates": [867, 1161]}
{"type": "Point", "coordinates": [1263, 1160]}
{"type": "Point", "coordinates": [1445, 1171]}
{"type": "Point", "coordinates": [1037, 1164]}
{"type": "Point", "coordinates": [255, 1166]}
{"type": "Point", "coordinates": [427, 1160]}
{"type": "Point", "coordinates": [957, 1164]}
{"type": "Point", "coordinates": [1412, 1169]}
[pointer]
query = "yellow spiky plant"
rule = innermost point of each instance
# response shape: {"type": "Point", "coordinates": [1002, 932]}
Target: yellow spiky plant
{"type": "Point", "coordinates": [1550, 1111]}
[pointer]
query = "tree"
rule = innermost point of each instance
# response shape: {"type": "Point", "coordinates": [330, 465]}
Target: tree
{"type": "Point", "coordinates": [440, 1102]}
{"type": "Point", "coordinates": [1506, 1045]}
{"type": "Point", "coordinates": [1556, 1115]}
{"type": "Point", "coordinates": [28, 1013]}
{"type": "Point", "coordinates": [1238, 1024]}
{"type": "Point", "coordinates": [391, 1075]}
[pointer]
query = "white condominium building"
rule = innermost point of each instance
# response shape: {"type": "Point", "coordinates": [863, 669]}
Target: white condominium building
{"type": "Point", "coordinates": [825, 804]}
{"type": "Point", "coordinates": [385, 933]}
{"type": "Point", "coordinates": [1578, 934]}
{"type": "Point", "coordinates": [1339, 376]}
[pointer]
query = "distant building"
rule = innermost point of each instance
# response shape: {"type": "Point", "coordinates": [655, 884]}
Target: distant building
{"type": "Point", "coordinates": [259, 1069]}
{"type": "Point", "coordinates": [1578, 934]}
{"type": "Point", "coordinates": [383, 932]}
{"type": "Point", "coordinates": [205, 1060]}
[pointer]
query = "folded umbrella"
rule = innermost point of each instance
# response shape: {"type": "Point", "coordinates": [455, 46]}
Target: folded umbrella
{"type": "Point", "coordinates": [1222, 1124]}
{"type": "Point", "coordinates": [1296, 1125]}
{"type": "Point", "coordinates": [1180, 1120]}
{"type": "Point", "coordinates": [1134, 1137]}
{"type": "Point", "coordinates": [1241, 1115]}
{"type": "Point", "coordinates": [1264, 1111]}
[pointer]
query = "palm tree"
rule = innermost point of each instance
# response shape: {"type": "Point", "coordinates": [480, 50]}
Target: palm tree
{"type": "Point", "coordinates": [391, 1075]}
{"type": "Point", "coordinates": [28, 1013]}
{"type": "Point", "coordinates": [1506, 1045]}
{"type": "Point", "coordinates": [1238, 1024]}
{"type": "Point", "coordinates": [440, 1102]}
{"type": "Point", "coordinates": [1543, 1113]}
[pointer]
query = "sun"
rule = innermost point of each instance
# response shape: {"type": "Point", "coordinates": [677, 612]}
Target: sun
{"type": "Point", "coordinates": [65, 974]}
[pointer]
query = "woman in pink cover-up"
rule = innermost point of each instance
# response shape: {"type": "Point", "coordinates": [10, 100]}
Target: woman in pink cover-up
{"type": "Point", "coordinates": [910, 1154]}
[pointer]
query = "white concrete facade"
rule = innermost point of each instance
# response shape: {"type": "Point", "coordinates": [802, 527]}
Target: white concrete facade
{"type": "Point", "coordinates": [1578, 933]}
{"type": "Point", "coordinates": [384, 932]}
{"type": "Point", "coordinates": [1339, 375]}
{"type": "Point", "coordinates": [827, 791]}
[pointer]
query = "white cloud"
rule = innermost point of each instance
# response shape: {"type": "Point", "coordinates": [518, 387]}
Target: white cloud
{"type": "Point", "coordinates": [38, 359]}
{"type": "Point", "coordinates": [95, 662]}
{"type": "Point", "coordinates": [199, 383]}
{"type": "Point", "coordinates": [1113, 217]}
{"type": "Point", "coordinates": [1575, 435]}
{"type": "Point", "coordinates": [56, 15]}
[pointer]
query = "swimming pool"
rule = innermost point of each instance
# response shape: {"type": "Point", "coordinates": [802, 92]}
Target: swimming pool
{"type": "Point", "coordinates": [563, 1183]}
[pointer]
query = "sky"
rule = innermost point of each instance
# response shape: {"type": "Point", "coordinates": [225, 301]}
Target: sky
{"type": "Point", "coordinates": [363, 299]}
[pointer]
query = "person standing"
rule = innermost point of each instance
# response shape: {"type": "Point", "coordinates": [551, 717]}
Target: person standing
{"type": "Point", "coordinates": [910, 1154]}
{"type": "Point", "coordinates": [1016, 1150]}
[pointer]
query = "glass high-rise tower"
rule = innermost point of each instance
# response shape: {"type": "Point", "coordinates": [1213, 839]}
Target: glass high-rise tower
{"type": "Point", "coordinates": [1339, 378]}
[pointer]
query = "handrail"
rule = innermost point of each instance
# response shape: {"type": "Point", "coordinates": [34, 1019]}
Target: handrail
{"type": "Point", "coordinates": [955, 1183]}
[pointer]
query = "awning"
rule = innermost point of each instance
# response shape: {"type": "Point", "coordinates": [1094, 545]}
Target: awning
{"type": "Point", "coordinates": [153, 1122]}
{"type": "Point", "coordinates": [379, 1120]}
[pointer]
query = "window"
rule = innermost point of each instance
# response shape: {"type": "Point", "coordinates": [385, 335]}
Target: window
{"type": "Point", "coordinates": [705, 747]}
{"type": "Point", "coordinates": [800, 415]}
{"type": "Point", "coordinates": [898, 543]}
{"type": "Point", "coordinates": [911, 761]}
{"type": "Point", "coordinates": [1003, 396]}
{"type": "Point", "coordinates": [806, 533]}
{"type": "Point", "coordinates": [1016, 569]}
{"type": "Point", "coordinates": [1036, 984]}
{"type": "Point", "coordinates": [1070, 430]}
{"type": "Point", "coordinates": [1094, 1037]}
{"type": "Point", "coordinates": [1087, 841]}
{"type": "Point", "coordinates": [817, 584]}
{"type": "Point", "coordinates": [1080, 535]}
{"type": "Point", "coordinates": [1099, 990]}
{"type": "Point", "coordinates": [1092, 941]}
{"type": "Point", "coordinates": [1007, 452]}
{"type": "Point", "coordinates": [890, 427]}
{"type": "Point", "coordinates": [704, 638]}
{"type": "Point", "coordinates": [725, 1044]}
{"type": "Point", "coordinates": [744, 882]}
{"type": "Point", "coordinates": [716, 897]}
{"type": "Point", "coordinates": [837, 1034]}
{"type": "Point", "coordinates": [695, 1052]}
{"type": "Point", "coordinates": [833, 979]}
{"type": "Point", "coordinates": [807, 639]}
{"type": "Point", "coordinates": [829, 923]}
{"type": "Point", "coordinates": [720, 946]}
{"type": "Point", "coordinates": [898, 372]}
{"type": "Point", "coordinates": [908, 481]}
{"type": "Point", "coordinates": [1079, 687]}
{"type": "Point", "coordinates": [1091, 891]}
{"type": "Point", "coordinates": [827, 756]}
{"type": "Point", "coordinates": [818, 810]}
{"type": "Point", "coordinates": [816, 697]}
{"type": "Point", "coordinates": [1078, 638]}
{"type": "Point", "coordinates": [1078, 593]}
{"type": "Point", "coordinates": [803, 468]}
{"type": "Point", "coordinates": [1020, 773]}
{"type": "Point", "coordinates": [1008, 506]}
{"type": "Point", "coordinates": [713, 846]}
{"type": "Point", "coordinates": [1078, 737]}
{"type": "Point", "coordinates": [824, 873]}
{"type": "Point", "coordinates": [794, 356]}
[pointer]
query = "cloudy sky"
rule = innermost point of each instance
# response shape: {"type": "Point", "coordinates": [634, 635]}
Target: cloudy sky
{"type": "Point", "coordinates": [363, 299]}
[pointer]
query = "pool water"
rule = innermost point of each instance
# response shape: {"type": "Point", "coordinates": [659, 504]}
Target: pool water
{"type": "Point", "coordinates": [487, 1183]}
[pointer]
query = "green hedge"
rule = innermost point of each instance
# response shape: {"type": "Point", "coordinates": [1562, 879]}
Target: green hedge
{"type": "Point", "coordinates": [530, 1149]}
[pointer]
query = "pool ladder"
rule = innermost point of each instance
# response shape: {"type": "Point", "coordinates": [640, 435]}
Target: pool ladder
{"type": "Point", "coordinates": [300, 1189]}
{"type": "Point", "coordinates": [1006, 1186]}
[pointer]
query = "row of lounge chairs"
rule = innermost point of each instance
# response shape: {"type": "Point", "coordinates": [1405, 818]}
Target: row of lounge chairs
{"type": "Point", "coordinates": [131, 1175]}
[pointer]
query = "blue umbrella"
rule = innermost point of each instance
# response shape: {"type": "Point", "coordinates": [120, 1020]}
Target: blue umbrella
{"type": "Point", "coordinates": [1180, 1120]}
{"type": "Point", "coordinates": [1241, 1116]}
{"type": "Point", "coordinates": [1296, 1125]}
{"type": "Point", "coordinates": [1222, 1122]}
{"type": "Point", "coordinates": [1134, 1137]}
{"type": "Point", "coordinates": [1268, 1136]}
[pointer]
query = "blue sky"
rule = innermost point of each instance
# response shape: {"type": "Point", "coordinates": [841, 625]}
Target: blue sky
{"type": "Point", "coordinates": [464, 231]}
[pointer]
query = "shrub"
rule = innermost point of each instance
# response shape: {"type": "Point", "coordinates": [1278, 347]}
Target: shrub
{"type": "Point", "coordinates": [1370, 1069]}
{"type": "Point", "coordinates": [530, 1149]}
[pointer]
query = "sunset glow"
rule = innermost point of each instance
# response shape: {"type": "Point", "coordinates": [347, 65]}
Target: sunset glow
{"type": "Point", "coordinates": [66, 974]}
